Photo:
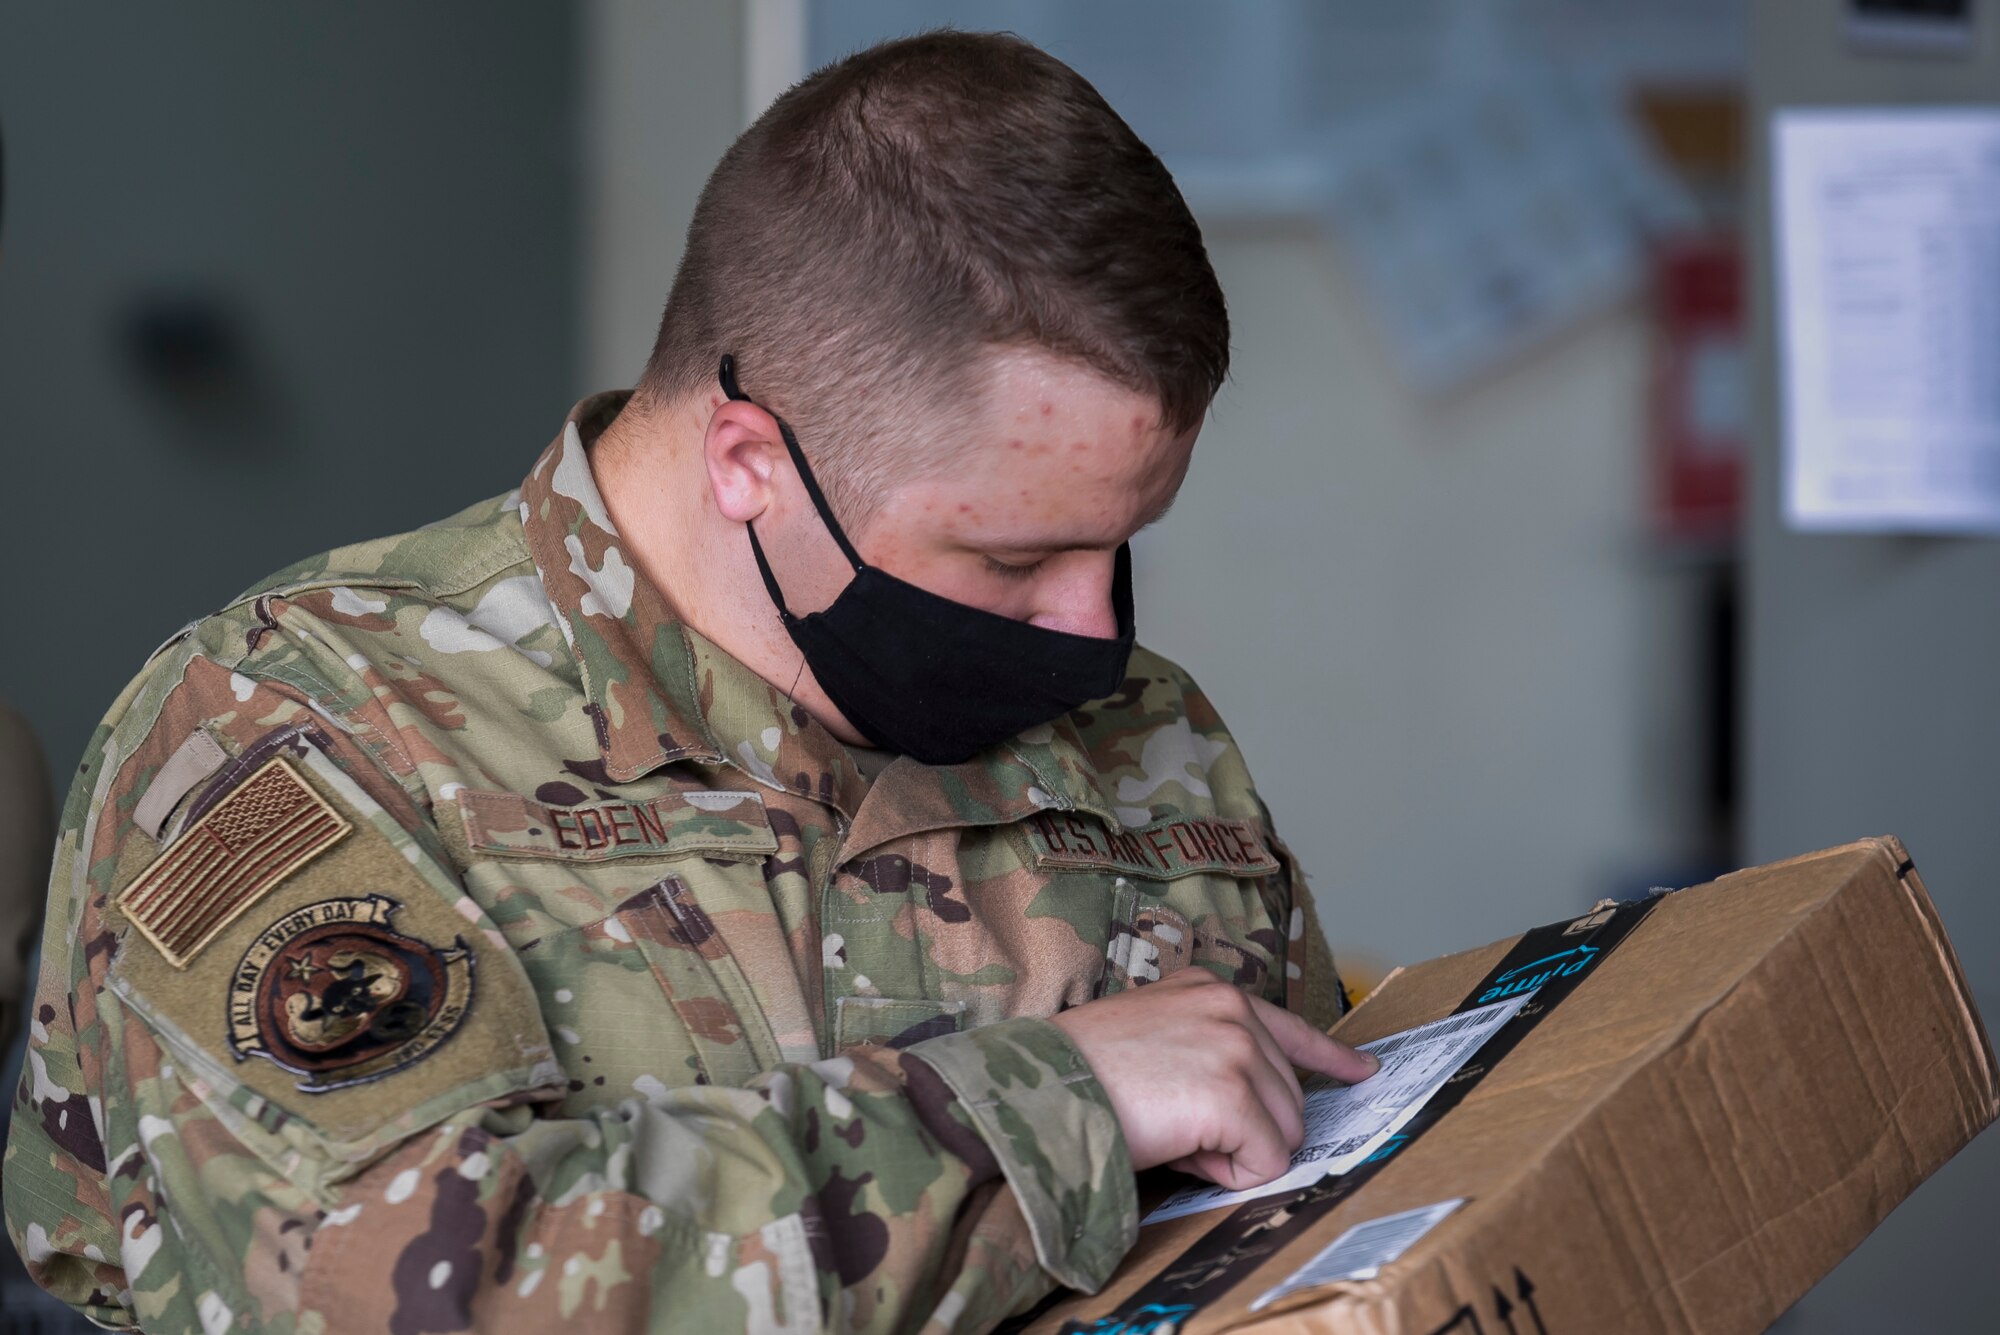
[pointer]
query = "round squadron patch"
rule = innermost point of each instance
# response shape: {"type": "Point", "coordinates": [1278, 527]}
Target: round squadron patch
{"type": "Point", "coordinates": [332, 993]}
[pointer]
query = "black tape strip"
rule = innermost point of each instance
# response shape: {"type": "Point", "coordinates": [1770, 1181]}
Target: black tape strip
{"type": "Point", "coordinates": [1551, 961]}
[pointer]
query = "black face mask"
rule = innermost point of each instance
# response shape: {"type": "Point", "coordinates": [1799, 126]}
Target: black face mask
{"type": "Point", "coordinates": [931, 678]}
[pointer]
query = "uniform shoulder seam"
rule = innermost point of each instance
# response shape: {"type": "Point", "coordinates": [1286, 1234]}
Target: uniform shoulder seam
{"type": "Point", "coordinates": [481, 565]}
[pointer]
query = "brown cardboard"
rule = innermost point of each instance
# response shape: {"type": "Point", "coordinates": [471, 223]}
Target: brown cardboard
{"type": "Point", "coordinates": [1735, 1097]}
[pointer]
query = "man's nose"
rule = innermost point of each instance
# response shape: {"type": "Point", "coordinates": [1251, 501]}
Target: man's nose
{"type": "Point", "coordinates": [1079, 601]}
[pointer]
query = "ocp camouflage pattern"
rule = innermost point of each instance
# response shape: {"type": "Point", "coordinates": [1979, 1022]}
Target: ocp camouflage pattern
{"type": "Point", "coordinates": [753, 1044]}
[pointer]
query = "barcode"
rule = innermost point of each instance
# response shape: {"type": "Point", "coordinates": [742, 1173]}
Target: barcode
{"type": "Point", "coordinates": [1363, 1250]}
{"type": "Point", "coordinates": [1315, 1153]}
{"type": "Point", "coordinates": [1426, 1033]}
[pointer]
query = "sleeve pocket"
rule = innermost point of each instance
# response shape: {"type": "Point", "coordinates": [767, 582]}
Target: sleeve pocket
{"type": "Point", "coordinates": [353, 993]}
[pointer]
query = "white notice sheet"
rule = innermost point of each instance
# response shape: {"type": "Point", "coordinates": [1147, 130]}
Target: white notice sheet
{"type": "Point", "coordinates": [1347, 1123]}
{"type": "Point", "coordinates": [1888, 257]}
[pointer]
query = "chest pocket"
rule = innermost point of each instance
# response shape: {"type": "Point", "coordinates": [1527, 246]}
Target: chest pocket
{"type": "Point", "coordinates": [728, 1030]}
{"type": "Point", "coordinates": [1184, 890]}
{"type": "Point", "coordinates": [653, 900]}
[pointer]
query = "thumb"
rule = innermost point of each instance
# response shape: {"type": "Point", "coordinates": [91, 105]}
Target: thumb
{"type": "Point", "coordinates": [1306, 1047]}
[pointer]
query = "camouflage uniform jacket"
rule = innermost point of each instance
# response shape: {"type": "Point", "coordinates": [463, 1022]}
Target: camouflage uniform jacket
{"type": "Point", "coordinates": [444, 936]}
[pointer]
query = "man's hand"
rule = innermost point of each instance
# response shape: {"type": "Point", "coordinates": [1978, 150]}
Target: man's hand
{"type": "Point", "coordinates": [1200, 1074]}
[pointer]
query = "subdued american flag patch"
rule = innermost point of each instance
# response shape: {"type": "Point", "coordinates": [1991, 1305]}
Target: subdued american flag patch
{"type": "Point", "coordinates": [269, 827]}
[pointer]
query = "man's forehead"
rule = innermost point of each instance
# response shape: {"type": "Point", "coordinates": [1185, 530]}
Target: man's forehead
{"type": "Point", "coordinates": [1046, 454]}
{"type": "Point", "coordinates": [1029, 383]}
{"type": "Point", "coordinates": [1055, 487]}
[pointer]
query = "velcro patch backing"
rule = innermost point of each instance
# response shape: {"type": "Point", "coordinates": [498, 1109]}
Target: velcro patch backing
{"type": "Point", "coordinates": [271, 825]}
{"type": "Point", "coordinates": [724, 822]}
{"type": "Point", "coordinates": [1175, 846]}
{"type": "Point", "coordinates": [190, 764]}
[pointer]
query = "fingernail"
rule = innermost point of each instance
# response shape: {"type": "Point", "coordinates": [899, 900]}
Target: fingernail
{"type": "Point", "coordinates": [1374, 1062]}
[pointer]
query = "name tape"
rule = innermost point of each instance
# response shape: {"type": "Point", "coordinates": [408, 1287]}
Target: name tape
{"type": "Point", "coordinates": [722, 822]}
{"type": "Point", "coordinates": [1175, 846]}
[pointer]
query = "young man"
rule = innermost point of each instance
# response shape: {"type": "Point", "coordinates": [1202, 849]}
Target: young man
{"type": "Point", "coordinates": [710, 887]}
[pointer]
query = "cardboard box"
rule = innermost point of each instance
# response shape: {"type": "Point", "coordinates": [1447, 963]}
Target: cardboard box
{"type": "Point", "coordinates": [1682, 1134]}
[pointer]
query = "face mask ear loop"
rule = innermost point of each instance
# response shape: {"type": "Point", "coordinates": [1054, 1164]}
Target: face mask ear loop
{"type": "Point", "coordinates": [770, 580]}
{"type": "Point", "coordinates": [730, 388]}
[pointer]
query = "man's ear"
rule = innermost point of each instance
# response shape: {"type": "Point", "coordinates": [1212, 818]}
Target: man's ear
{"type": "Point", "coordinates": [742, 449]}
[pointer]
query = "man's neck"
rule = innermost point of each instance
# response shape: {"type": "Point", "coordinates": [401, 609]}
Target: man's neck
{"type": "Point", "coordinates": [650, 469]}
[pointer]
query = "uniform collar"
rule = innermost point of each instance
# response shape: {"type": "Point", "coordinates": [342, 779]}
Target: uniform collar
{"type": "Point", "coordinates": [657, 691]}
{"type": "Point", "coordinates": [627, 642]}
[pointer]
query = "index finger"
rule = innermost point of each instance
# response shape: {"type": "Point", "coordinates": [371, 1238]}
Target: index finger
{"type": "Point", "coordinates": [1307, 1047]}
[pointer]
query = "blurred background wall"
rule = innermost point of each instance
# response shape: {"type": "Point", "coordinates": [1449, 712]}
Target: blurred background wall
{"type": "Point", "coordinates": [274, 278]}
{"type": "Point", "coordinates": [1870, 701]}
{"type": "Point", "coordinates": [271, 278]}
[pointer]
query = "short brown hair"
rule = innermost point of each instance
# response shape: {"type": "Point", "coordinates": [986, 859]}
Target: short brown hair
{"type": "Point", "coordinates": [902, 210]}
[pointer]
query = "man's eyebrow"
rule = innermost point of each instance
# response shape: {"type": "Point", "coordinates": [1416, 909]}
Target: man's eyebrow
{"type": "Point", "coordinates": [1078, 542]}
